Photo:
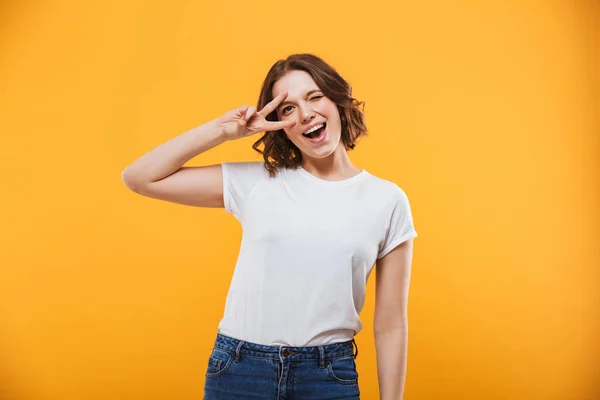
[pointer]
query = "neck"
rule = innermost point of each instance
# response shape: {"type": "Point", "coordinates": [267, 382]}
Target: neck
{"type": "Point", "coordinates": [336, 166]}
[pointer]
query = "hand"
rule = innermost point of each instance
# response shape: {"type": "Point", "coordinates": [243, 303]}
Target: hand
{"type": "Point", "coordinates": [244, 121]}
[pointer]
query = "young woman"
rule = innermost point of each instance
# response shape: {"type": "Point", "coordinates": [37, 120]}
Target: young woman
{"type": "Point", "coordinates": [313, 225]}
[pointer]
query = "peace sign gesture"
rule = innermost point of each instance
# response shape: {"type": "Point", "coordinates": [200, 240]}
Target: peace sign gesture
{"type": "Point", "coordinates": [245, 121]}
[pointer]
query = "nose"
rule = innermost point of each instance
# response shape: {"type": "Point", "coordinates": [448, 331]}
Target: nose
{"type": "Point", "coordinates": [307, 114]}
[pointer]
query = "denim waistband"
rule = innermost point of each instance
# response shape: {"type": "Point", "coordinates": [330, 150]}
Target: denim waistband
{"type": "Point", "coordinates": [322, 352]}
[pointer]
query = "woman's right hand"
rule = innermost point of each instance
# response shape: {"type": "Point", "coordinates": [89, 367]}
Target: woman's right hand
{"type": "Point", "coordinates": [245, 121]}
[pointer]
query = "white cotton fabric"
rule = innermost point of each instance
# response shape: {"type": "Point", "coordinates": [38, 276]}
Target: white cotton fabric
{"type": "Point", "coordinates": [308, 247]}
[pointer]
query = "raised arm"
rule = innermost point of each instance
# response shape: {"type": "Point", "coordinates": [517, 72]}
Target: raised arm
{"type": "Point", "coordinates": [160, 173]}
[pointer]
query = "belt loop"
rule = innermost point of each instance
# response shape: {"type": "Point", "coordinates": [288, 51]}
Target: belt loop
{"type": "Point", "coordinates": [355, 345]}
{"type": "Point", "coordinates": [321, 357]}
{"type": "Point", "coordinates": [237, 351]}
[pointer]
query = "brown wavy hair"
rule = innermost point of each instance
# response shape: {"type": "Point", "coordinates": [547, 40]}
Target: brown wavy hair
{"type": "Point", "coordinates": [279, 151]}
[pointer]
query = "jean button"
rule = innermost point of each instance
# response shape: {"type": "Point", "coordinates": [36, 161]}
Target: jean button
{"type": "Point", "coordinates": [285, 352]}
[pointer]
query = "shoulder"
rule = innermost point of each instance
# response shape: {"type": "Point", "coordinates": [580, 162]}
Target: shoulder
{"type": "Point", "coordinates": [386, 188]}
{"type": "Point", "coordinates": [245, 168]}
{"type": "Point", "coordinates": [246, 165]}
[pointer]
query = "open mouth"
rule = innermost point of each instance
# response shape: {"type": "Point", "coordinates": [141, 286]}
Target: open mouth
{"type": "Point", "coordinates": [315, 134]}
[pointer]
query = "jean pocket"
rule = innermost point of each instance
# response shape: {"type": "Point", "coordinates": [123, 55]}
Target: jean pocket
{"type": "Point", "coordinates": [219, 362]}
{"type": "Point", "coordinates": [343, 370]}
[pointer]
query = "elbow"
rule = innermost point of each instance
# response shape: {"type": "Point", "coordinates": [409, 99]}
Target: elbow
{"type": "Point", "coordinates": [130, 182]}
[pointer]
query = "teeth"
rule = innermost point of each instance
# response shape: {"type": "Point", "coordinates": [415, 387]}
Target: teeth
{"type": "Point", "coordinates": [313, 129]}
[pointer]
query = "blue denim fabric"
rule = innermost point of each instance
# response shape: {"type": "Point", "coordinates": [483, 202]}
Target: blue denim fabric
{"type": "Point", "coordinates": [243, 370]}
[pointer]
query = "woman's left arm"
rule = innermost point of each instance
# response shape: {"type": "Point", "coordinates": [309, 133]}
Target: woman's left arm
{"type": "Point", "coordinates": [391, 319]}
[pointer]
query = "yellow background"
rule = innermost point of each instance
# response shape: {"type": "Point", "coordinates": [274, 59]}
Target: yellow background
{"type": "Point", "coordinates": [485, 113]}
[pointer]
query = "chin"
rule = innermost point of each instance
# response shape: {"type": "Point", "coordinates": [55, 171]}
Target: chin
{"type": "Point", "coordinates": [322, 152]}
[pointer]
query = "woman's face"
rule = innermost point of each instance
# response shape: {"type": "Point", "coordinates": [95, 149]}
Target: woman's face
{"type": "Point", "coordinates": [307, 105]}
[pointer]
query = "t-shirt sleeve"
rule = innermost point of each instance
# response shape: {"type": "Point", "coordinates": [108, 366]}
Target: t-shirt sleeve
{"type": "Point", "coordinates": [239, 180]}
{"type": "Point", "coordinates": [400, 227]}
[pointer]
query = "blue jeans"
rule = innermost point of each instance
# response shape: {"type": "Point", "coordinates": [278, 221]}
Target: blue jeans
{"type": "Point", "coordinates": [243, 370]}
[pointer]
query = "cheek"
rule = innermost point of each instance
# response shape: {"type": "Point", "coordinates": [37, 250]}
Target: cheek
{"type": "Point", "coordinates": [332, 112]}
{"type": "Point", "coordinates": [290, 131]}
{"type": "Point", "coordinates": [292, 135]}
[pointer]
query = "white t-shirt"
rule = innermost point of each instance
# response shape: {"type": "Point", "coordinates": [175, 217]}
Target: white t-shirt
{"type": "Point", "coordinates": [308, 247]}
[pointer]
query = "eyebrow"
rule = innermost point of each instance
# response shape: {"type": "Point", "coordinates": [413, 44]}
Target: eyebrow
{"type": "Point", "coordinates": [307, 94]}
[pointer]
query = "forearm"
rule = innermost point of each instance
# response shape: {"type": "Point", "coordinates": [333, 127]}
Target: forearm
{"type": "Point", "coordinates": [391, 348]}
{"type": "Point", "coordinates": [170, 156]}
